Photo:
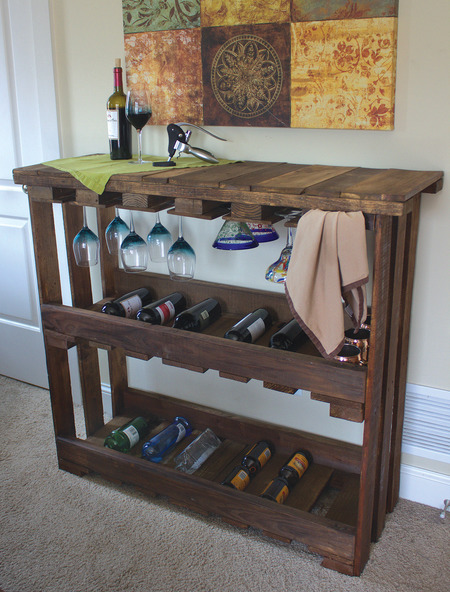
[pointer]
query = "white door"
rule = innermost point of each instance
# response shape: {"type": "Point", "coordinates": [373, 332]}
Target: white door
{"type": "Point", "coordinates": [29, 134]}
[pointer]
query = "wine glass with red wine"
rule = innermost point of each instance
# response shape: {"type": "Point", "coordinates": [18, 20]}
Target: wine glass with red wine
{"type": "Point", "coordinates": [138, 112]}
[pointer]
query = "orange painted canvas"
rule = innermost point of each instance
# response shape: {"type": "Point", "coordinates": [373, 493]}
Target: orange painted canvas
{"type": "Point", "coordinates": [343, 74]}
{"type": "Point", "coordinates": [285, 63]}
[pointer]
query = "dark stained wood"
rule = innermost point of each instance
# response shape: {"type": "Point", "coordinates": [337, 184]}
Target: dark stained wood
{"type": "Point", "coordinates": [299, 181]}
{"type": "Point", "coordinates": [255, 177]}
{"type": "Point", "coordinates": [86, 197]}
{"type": "Point", "coordinates": [345, 506]}
{"type": "Point", "coordinates": [348, 410]}
{"type": "Point", "coordinates": [60, 390]}
{"type": "Point", "coordinates": [216, 176]}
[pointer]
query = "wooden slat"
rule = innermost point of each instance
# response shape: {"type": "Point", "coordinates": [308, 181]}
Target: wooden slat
{"type": "Point", "coordinates": [336, 186]}
{"type": "Point", "coordinates": [215, 176]}
{"type": "Point", "coordinates": [305, 493]}
{"type": "Point", "coordinates": [254, 177]}
{"type": "Point", "coordinates": [345, 507]}
{"type": "Point", "coordinates": [393, 185]}
{"type": "Point", "coordinates": [300, 180]}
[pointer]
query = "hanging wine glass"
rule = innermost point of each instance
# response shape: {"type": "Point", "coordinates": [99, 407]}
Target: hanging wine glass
{"type": "Point", "coordinates": [138, 111]}
{"type": "Point", "coordinates": [235, 236]}
{"type": "Point", "coordinates": [278, 270]}
{"type": "Point", "coordinates": [181, 257]}
{"type": "Point", "coordinates": [133, 251]}
{"type": "Point", "coordinates": [263, 232]}
{"type": "Point", "coordinates": [86, 245]}
{"type": "Point", "coordinates": [159, 240]}
{"type": "Point", "coordinates": [115, 233]}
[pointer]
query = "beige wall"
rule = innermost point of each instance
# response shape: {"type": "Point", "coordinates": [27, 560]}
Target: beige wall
{"type": "Point", "coordinates": [88, 37]}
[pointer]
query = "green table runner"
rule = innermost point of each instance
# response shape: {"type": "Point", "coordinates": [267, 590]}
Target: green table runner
{"type": "Point", "coordinates": [95, 170]}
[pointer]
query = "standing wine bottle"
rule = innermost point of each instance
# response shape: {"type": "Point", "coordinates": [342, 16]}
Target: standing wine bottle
{"type": "Point", "coordinates": [288, 337]}
{"type": "Point", "coordinates": [251, 327]}
{"type": "Point", "coordinates": [125, 437]}
{"type": "Point", "coordinates": [128, 304]}
{"type": "Point", "coordinates": [199, 316]}
{"type": "Point", "coordinates": [162, 311]}
{"type": "Point", "coordinates": [119, 128]}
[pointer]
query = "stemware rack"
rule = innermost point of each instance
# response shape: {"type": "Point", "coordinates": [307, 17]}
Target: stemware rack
{"type": "Point", "coordinates": [340, 504]}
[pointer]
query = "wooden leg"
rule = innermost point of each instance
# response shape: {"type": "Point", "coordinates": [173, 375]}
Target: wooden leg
{"type": "Point", "coordinates": [91, 390]}
{"type": "Point", "coordinates": [118, 378]}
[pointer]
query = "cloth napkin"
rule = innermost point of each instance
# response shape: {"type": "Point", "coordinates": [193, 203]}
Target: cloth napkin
{"type": "Point", "coordinates": [328, 266]}
{"type": "Point", "coordinates": [95, 170]}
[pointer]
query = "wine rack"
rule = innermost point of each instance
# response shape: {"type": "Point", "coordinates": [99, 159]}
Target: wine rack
{"type": "Point", "coordinates": [339, 505]}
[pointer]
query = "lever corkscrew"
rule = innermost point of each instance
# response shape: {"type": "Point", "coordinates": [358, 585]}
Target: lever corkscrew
{"type": "Point", "coordinates": [179, 141]}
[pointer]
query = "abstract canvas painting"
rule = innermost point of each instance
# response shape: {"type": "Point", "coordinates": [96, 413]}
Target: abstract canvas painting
{"type": "Point", "coordinates": [286, 63]}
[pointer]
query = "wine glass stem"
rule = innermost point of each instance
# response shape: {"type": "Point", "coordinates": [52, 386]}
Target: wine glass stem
{"type": "Point", "coordinates": [84, 217]}
{"type": "Point", "coordinates": [140, 146]}
{"type": "Point", "coordinates": [131, 222]}
{"type": "Point", "coordinates": [289, 237]}
{"type": "Point", "coordinates": [180, 227]}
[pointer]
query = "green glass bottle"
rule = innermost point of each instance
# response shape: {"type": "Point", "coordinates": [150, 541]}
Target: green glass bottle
{"type": "Point", "coordinates": [129, 434]}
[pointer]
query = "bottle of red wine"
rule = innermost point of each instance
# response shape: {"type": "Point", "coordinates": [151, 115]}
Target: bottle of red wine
{"type": "Point", "coordinates": [288, 337]}
{"type": "Point", "coordinates": [251, 327]}
{"type": "Point", "coordinates": [119, 128]}
{"type": "Point", "coordinates": [128, 304]}
{"type": "Point", "coordinates": [162, 311]}
{"type": "Point", "coordinates": [199, 316]}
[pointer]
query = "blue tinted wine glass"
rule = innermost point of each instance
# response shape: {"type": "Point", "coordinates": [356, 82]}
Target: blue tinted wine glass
{"type": "Point", "coordinates": [181, 257]}
{"type": "Point", "coordinates": [138, 111]}
{"type": "Point", "coordinates": [133, 251]}
{"type": "Point", "coordinates": [86, 245]}
{"type": "Point", "coordinates": [115, 233]}
{"type": "Point", "coordinates": [159, 240]}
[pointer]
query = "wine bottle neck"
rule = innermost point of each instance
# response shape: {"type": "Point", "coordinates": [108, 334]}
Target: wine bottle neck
{"type": "Point", "coordinates": [118, 84]}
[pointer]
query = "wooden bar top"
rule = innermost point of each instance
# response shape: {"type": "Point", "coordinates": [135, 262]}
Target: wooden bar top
{"type": "Point", "coordinates": [373, 191]}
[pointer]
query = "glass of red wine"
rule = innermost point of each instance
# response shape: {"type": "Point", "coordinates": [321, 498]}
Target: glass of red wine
{"type": "Point", "coordinates": [138, 112]}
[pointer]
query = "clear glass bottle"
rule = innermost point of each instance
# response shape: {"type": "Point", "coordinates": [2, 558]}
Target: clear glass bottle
{"type": "Point", "coordinates": [251, 327]}
{"type": "Point", "coordinates": [128, 435]}
{"type": "Point", "coordinates": [158, 446]}
{"type": "Point", "coordinates": [197, 452]}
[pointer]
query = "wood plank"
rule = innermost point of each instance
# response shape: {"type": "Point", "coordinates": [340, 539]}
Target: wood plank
{"type": "Point", "coordinates": [300, 180]}
{"type": "Point", "coordinates": [251, 178]}
{"type": "Point", "coordinates": [345, 507]}
{"type": "Point", "coordinates": [304, 495]}
{"type": "Point", "coordinates": [91, 390]}
{"type": "Point", "coordinates": [60, 390]}
{"type": "Point", "coordinates": [393, 185]}
{"type": "Point", "coordinates": [336, 186]}
{"type": "Point", "coordinates": [215, 176]}
{"type": "Point", "coordinates": [213, 498]}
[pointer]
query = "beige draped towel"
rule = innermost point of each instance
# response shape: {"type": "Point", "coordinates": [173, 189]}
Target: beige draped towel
{"type": "Point", "coordinates": [328, 265]}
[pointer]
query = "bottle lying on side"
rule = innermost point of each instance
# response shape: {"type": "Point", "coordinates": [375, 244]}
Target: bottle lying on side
{"type": "Point", "coordinates": [128, 435]}
{"type": "Point", "coordinates": [199, 317]}
{"type": "Point", "coordinates": [160, 444]}
{"type": "Point", "coordinates": [162, 311]}
{"type": "Point", "coordinates": [251, 327]}
{"type": "Point", "coordinates": [289, 337]}
{"type": "Point", "coordinates": [128, 304]}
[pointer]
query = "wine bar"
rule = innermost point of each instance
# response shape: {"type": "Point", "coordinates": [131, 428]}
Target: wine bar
{"type": "Point", "coordinates": [290, 484]}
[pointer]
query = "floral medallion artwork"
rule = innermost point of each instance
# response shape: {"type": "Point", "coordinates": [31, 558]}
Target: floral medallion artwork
{"type": "Point", "coordinates": [286, 63]}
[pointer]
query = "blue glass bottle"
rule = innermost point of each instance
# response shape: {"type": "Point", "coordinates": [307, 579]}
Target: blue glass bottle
{"type": "Point", "coordinates": [158, 446]}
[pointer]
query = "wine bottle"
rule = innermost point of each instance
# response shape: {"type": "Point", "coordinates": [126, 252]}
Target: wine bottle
{"type": "Point", "coordinates": [128, 304]}
{"type": "Point", "coordinates": [162, 443]}
{"type": "Point", "coordinates": [129, 434]}
{"type": "Point", "coordinates": [119, 128]}
{"type": "Point", "coordinates": [295, 467]}
{"type": "Point", "coordinates": [162, 311]}
{"type": "Point", "coordinates": [251, 327]}
{"type": "Point", "coordinates": [258, 455]}
{"type": "Point", "coordinates": [288, 337]}
{"type": "Point", "coordinates": [199, 316]}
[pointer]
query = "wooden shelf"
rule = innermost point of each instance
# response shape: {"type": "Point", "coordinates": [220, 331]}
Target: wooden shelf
{"type": "Point", "coordinates": [339, 506]}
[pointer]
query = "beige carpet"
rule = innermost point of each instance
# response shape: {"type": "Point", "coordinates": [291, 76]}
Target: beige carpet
{"type": "Point", "coordinates": [61, 533]}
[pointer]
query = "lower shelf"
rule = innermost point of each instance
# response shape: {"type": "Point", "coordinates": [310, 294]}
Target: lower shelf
{"type": "Point", "coordinates": [320, 512]}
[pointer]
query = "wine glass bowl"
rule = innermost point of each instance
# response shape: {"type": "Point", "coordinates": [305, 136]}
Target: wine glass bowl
{"type": "Point", "coordinates": [115, 233]}
{"type": "Point", "coordinates": [133, 251]}
{"type": "Point", "coordinates": [159, 241]}
{"type": "Point", "coordinates": [138, 111]}
{"type": "Point", "coordinates": [181, 258]}
{"type": "Point", "coordinates": [86, 245]}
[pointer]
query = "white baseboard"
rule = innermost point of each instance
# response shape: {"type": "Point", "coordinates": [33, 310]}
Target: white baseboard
{"type": "Point", "coordinates": [425, 487]}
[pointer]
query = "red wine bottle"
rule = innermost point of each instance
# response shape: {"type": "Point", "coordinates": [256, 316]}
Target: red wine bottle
{"type": "Point", "coordinates": [199, 316]}
{"type": "Point", "coordinates": [251, 327]}
{"type": "Point", "coordinates": [162, 311]}
{"type": "Point", "coordinates": [128, 304]}
{"type": "Point", "coordinates": [288, 337]}
{"type": "Point", "coordinates": [119, 128]}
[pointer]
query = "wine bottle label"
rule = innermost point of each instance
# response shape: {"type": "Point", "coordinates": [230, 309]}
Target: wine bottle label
{"type": "Point", "coordinates": [166, 311]}
{"type": "Point", "coordinates": [264, 457]}
{"type": "Point", "coordinates": [256, 329]}
{"type": "Point", "coordinates": [299, 463]}
{"type": "Point", "coordinates": [181, 432]}
{"type": "Point", "coordinates": [203, 318]}
{"type": "Point", "coordinates": [131, 305]}
{"type": "Point", "coordinates": [112, 117]}
{"type": "Point", "coordinates": [132, 434]}
{"type": "Point", "coordinates": [282, 495]}
{"type": "Point", "coordinates": [240, 480]}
